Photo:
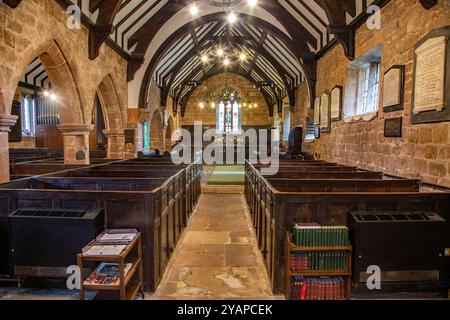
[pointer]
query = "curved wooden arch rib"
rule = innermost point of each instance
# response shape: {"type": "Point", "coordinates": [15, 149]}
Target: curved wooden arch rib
{"type": "Point", "coordinates": [101, 30]}
{"type": "Point", "coordinates": [204, 20]}
{"type": "Point", "coordinates": [428, 4]}
{"type": "Point", "coordinates": [260, 51]}
{"type": "Point", "coordinates": [143, 43]}
{"type": "Point", "coordinates": [242, 40]}
{"type": "Point", "coordinates": [336, 13]}
{"type": "Point", "coordinates": [12, 3]}
{"type": "Point", "coordinates": [215, 71]}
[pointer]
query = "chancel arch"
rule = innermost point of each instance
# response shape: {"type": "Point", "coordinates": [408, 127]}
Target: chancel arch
{"type": "Point", "coordinates": [157, 131]}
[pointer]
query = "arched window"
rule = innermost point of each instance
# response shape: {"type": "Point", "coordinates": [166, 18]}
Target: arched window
{"type": "Point", "coordinates": [228, 112]}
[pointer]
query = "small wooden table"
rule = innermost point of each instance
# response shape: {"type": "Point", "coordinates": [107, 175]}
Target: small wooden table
{"type": "Point", "coordinates": [130, 282]}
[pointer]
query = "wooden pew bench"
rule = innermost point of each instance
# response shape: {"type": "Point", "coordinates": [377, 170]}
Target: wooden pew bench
{"type": "Point", "coordinates": [155, 206]}
{"type": "Point", "coordinates": [275, 210]}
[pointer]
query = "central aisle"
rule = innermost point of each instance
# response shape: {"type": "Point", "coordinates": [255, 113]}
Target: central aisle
{"type": "Point", "coordinates": [217, 257]}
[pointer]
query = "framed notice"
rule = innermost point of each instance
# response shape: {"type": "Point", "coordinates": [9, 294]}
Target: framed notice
{"type": "Point", "coordinates": [393, 128]}
{"type": "Point", "coordinates": [336, 103]}
{"type": "Point", "coordinates": [431, 78]}
{"type": "Point", "coordinates": [393, 88]}
{"type": "Point", "coordinates": [317, 111]}
{"type": "Point", "coordinates": [325, 119]}
{"type": "Point", "coordinates": [16, 131]}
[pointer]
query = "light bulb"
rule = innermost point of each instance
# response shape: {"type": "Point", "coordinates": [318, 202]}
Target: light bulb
{"type": "Point", "coordinates": [252, 3]}
{"type": "Point", "coordinates": [201, 105]}
{"type": "Point", "coordinates": [232, 17]}
{"type": "Point", "coordinates": [193, 9]}
{"type": "Point", "coordinates": [53, 96]}
{"type": "Point", "coordinates": [204, 58]}
{"type": "Point", "coordinates": [220, 52]}
{"type": "Point", "coordinates": [46, 93]}
{"type": "Point", "coordinates": [243, 57]}
{"type": "Point", "coordinates": [212, 105]}
{"type": "Point", "coordinates": [226, 62]}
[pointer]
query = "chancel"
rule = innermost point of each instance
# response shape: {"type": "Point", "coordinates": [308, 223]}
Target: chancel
{"type": "Point", "coordinates": [224, 149]}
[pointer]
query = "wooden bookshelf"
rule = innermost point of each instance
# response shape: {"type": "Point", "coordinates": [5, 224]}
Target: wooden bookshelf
{"type": "Point", "coordinates": [345, 274]}
{"type": "Point", "coordinates": [130, 281]}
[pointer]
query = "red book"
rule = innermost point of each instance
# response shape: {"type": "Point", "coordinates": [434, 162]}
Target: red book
{"type": "Point", "coordinates": [304, 290]}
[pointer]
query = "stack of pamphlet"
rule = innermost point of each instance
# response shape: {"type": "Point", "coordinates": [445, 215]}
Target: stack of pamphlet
{"type": "Point", "coordinates": [106, 274]}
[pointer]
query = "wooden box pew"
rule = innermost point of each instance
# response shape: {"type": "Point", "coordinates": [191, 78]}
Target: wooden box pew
{"type": "Point", "coordinates": [191, 179]}
{"type": "Point", "coordinates": [36, 169]}
{"type": "Point", "coordinates": [314, 168]}
{"type": "Point", "coordinates": [255, 190]}
{"type": "Point", "coordinates": [115, 167]}
{"type": "Point", "coordinates": [277, 211]}
{"type": "Point", "coordinates": [49, 166]}
{"type": "Point", "coordinates": [300, 164]}
{"type": "Point", "coordinates": [193, 176]}
{"type": "Point", "coordinates": [106, 173]}
{"type": "Point", "coordinates": [149, 205]}
{"type": "Point", "coordinates": [344, 185]}
{"type": "Point", "coordinates": [328, 175]}
{"type": "Point", "coordinates": [333, 209]}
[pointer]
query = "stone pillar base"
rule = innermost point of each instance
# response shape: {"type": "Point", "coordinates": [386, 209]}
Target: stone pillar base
{"type": "Point", "coordinates": [116, 144]}
{"type": "Point", "coordinates": [76, 143]}
{"type": "Point", "coordinates": [6, 122]}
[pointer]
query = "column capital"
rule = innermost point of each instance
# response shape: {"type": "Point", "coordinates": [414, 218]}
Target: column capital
{"type": "Point", "coordinates": [7, 121]}
{"type": "Point", "coordinates": [71, 129]}
{"type": "Point", "coordinates": [114, 133]}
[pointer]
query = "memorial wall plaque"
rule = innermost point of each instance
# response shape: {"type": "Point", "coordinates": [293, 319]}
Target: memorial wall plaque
{"type": "Point", "coordinates": [393, 88]}
{"type": "Point", "coordinates": [429, 75]}
{"type": "Point", "coordinates": [393, 127]}
{"type": "Point", "coordinates": [336, 103]}
{"type": "Point", "coordinates": [317, 111]}
{"type": "Point", "coordinates": [431, 78]}
{"type": "Point", "coordinates": [325, 119]}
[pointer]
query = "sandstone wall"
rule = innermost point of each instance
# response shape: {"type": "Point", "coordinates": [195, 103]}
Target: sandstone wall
{"type": "Point", "coordinates": [424, 150]}
{"type": "Point", "coordinates": [25, 32]}
{"type": "Point", "coordinates": [258, 116]}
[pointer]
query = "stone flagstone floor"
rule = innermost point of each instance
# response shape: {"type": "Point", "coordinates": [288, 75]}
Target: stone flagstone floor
{"type": "Point", "coordinates": [217, 257]}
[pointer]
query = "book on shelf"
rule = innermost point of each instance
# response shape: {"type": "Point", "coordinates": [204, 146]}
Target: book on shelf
{"type": "Point", "coordinates": [322, 288]}
{"type": "Point", "coordinates": [318, 260]}
{"type": "Point", "coordinates": [313, 234]}
{"type": "Point", "coordinates": [107, 274]}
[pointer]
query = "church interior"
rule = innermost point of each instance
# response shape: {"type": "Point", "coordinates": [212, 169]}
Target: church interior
{"type": "Point", "coordinates": [224, 149]}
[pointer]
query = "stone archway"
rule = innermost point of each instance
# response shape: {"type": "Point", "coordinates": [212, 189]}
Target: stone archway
{"type": "Point", "coordinates": [73, 128]}
{"type": "Point", "coordinates": [169, 131]}
{"type": "Point", "coordinates": [156, 131]}
{"type": "Point", "coordinates": [60, 74]}
{"type": "Point", "coordinates": [114, 123]}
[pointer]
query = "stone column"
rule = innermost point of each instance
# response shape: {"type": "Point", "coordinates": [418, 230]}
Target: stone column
{"type": "Point", "coordinates": [6, 122]}
{"type": "Point", "coordinates": [76, 143]}
{"type": "Point", "coordinates": [116, 143]}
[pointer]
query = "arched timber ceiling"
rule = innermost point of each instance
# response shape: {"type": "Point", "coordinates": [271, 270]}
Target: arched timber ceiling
{"type": "Point", "coordinates": [164, 41]}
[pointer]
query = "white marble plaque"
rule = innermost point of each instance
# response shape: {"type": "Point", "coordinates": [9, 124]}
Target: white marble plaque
{"type": "Point", "coordinates": [392, 87]}
{"type": "Point", "coordinates": [336, 103]}
{"type": "Point", "coordinates": [429, 88]}
{"type": "Point", "coordinates": [317, 111]}
{"type": "Point", "coordinates": [325, 111]}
